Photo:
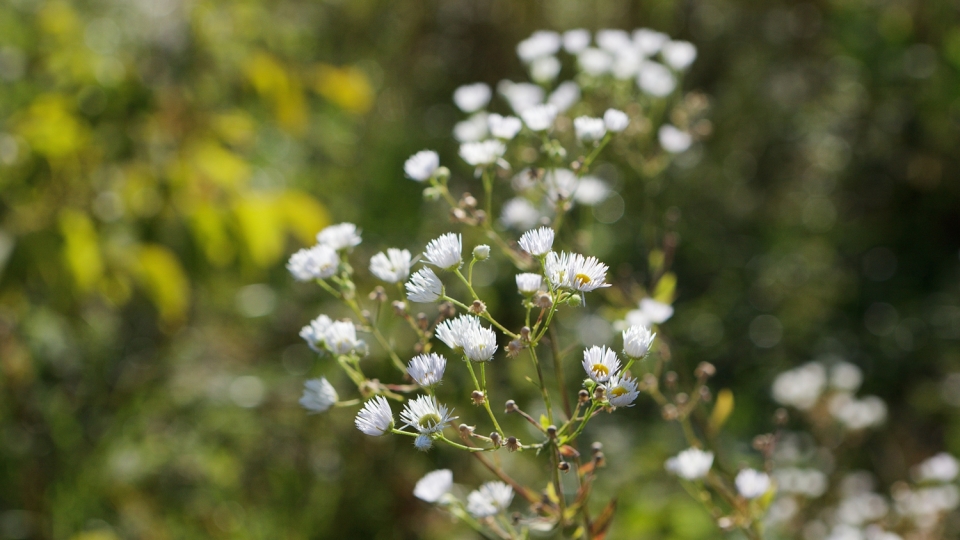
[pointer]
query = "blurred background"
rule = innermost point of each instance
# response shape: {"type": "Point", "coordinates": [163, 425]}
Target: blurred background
{"type": "Point", "coordinates": [160, 159]}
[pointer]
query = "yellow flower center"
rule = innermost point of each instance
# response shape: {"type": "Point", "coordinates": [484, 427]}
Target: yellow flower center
{"type": "Point", "coordinates": [600, 369]}
{"type": "Point", "coordinates": [429, 420]}
{"type": "Point", "coordinates": [581, 279]}
{"type": "Point", "coordinates": [618, 391]}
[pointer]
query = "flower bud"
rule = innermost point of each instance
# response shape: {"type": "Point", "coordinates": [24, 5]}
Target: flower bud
{"type": "Point", "coordinates": [574, 301]}
{"type": "Point", "coordinates": [514, 348]}
{"type": "Point", "coordinates": [495, 439]}
{"type": "Point", "coordinates": [543, 301]}
{"type": "Point", "coordinates": [513, 444]}
{"type": "Point", "coordinates": [478, 397]}
{"type": "Point", "coordinates": [448, 310]}
{"type": "Point", "coordinates": [442, 174]}
{"type": "Point", "coordinates": [525, 333]}
{"type": "Point", "coordinates": [596, 447]}
{"type": "Point", "coordinates": [468, 201]}
{"type": "Point", "coordinates": [510, 406]}
{"type": "Point", "coordinates": [564, 466]}
{"type": "Point", "coordinates": [599, 459]}
{"type": "Point", "coordinates": [477, 307]}
{"type": "Point", "coordinates": [422, 321]}
{"type": "Point", "coordinates": [583, 396]}
{"type": "Point", "coordinates": [552, 432]}
{"type": "Point", "coordinates": [705, 370]}
{"type": "Point", "coordinates": [481, 252]}
{"type": "Point", "coordinates": [378, 294]}
{"type": "Point", "coordinates": [400, 308]}
{"type": "Point", "coordinates": [599, 392]}
{"type": "Point", "coordinates": [458, 214]}
{"type": "Point", "coordinates": [670, 412]}
{"type": "Point", "coordinates": [465, 430]}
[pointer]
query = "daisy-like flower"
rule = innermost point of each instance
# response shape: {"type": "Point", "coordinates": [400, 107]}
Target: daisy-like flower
{"type": "Point", "coordinates": [586, 274]}
{"type": "Point", "coordinates": [472, 97]}
{"type": "Point", "coordinates": [637, 341]}
{"type": "Point", "coordinates": [591, 191]}
{"type": "Point", "coordinates": [691, 464]}
{"type": "Point", "coordinates": [589, 129]}
{"type": "Point", "coordinates": [655, 79]}
{"type": "Point", "coordinates": [424, 286]}
{"type": "Point", "coordinates": [341, 338]}
{"type": "Point", "coordinates": [491, 499]}
{"type": "Point", "coordinates": [622, 391]}
{"type": "Point", "coordinates": [678, 54]}
{"type": "Point", "coordinates": [427, 369]}
{"type": "Point", "coordinates": [318, 262]}
{"type": "Point", "coordinates": [375, 418]}
{"type": "Point", "coordinates": [445, 251]}
{"type": "Point", "coordinates": [541, 43]}
{"type": "Point", "coordinates": [423, 442]}
{"type": "Point", "coordinates": [339, 236]}
{"type": "Point", "coordinates": [479, 343]}
{"type": "Point", "coordinates": [528, 283]}
{"type": "Point", "coordinates": [313, 333]}
{"type": "Point", "coordinates": [565, 96]}
{"type": "Point", "coordinates": [576, 40]}
{"type": "Point", "coordinates": [537, 242]}
{"type": "Point", "coordinates": [626, 64]}
{"type": "Point", "coordinates": [421, 165]}
{"type": "Point", "coordinates": [561, 185]}
{"type": "Point", "coordinates": [545, 69]}
{"type": "Point", "coordinates": [648, 41]}
{"type": "Point", "coordinates": [519, 213]}
{"type": "Point", "coordinates": [600, 363]}
{"type": "Point", "coordinates": [451, 331]}
{"type": "Point", "coordinates": [482, 152]}
{"type": "Point", "coordinates": [595, 62]}
{"type": "Point", "coordinates": [615, 120]}
{"type": "Point", "coordinates": [392, 266]}
{"type": "Point", "coordinates": [472, 129]}
{"type": "Point", "coordinates": [425, 415]}
{"type": "Point", "coordinates": [504, 127]}
{"type": "Point", "coordinates": [752, 483]}
{"type": "Point", "coordinates": [539, 117]}
{"type": "Point", "coordinates": [433, 485]}
{"type": "Point", "coordinates": [318, 395]}
{"type": "Point", "coordinates": [674, 140]}
{"type": "Point", "coordinates": [521, 96]}
{"type": "Point", "coordinates": [556, 267]}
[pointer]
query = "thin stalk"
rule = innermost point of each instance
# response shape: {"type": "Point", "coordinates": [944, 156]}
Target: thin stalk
{"type": "Point", "coordinates": [486, 402]}
{"type": "Point", "coordinates": [558, 369]}
{"type": "Point", "coordinates": [543, 387]}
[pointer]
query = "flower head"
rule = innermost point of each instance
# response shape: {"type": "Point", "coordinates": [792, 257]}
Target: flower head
{"type": "Point", "coordinates": [427, 369]}
{"type": "Point", "coordinates": [375, 418]}
{"type": "Point", "coordinates": [341, 338]}
{"type": "Point", "coordinates": [528, 283]}
{"type": "Point", "coordinates": [423, 442]}
{"type": "Point", "coordinates": [940, 468]}
{"type": "Point", "coordinates": [600, 363]}
{"type": "Point", "coordinates": [545, 69]}
{"type": "Point", "coordinates": [565, 96]}
{"type": "Point", "coordinates": [433, 485]}
{"type": "Point", "coordinates": [752, 483]}
{"type": "Point", "coordinates": [504, 127]}
{"type": "Point", "coordinates": [589, 129]}
{"type": "Point", "coordinates": [483, 152]}
{"type": "Point", "coordinates": [424, 286]}
{"type": "Point", "coordinates": [637, 341]}
{"type": "Point", "coordinates": [591, 191]}
{"type": "Point", "coordinates": [800, 387]}
{"type": "Point", "coordinates": [318, 262]}
{"type": "Point", "coordinates": [425, 415]}
{"type": "Point", "coordinates": [521, 96]}
{"type": "Point", "coordinates": [576, 40]}
{"type": "Point", "coordinates": [615, 120]}
{"type": "Point", "coordinates": [648, 41]}
{"type": "Point", "coordinates": [539, 117]}
{"type": "Point", "coordinates": [472, 129]}
{"type": "Point", "coordinates": [318, 395]}
{"type": "Point", "coordinates": [537, 242]}
{"type": "Point", "coordinates": [491, 499]}
{"type": "Point", "coordinates": [472, 97]}
{"type": "Point", "coordinates": [674, 140]}
{"type": "Point", "coordinates": [691, 464]}
{"type": "Point", "coordinates": [655, 79]}
{"type": "Point", "coordinates": [445, 251]}
{"type": "Point", "coordinates": [651, 312]}
{"type": "Point", "coordinates": [614, 40]}
{"type": "Point", "coordinates": [519, 213]}
{"type": "Point", "coordinates": [392, 266]}
{"type": "Point", "coordinates": [541, 43]}
{"type": "Point", "coordinates": [678, 54]}
{"type": "Point", "coordinates": [452, 331]}
{"type": "Point", "coordinates": [595, 62]}
{"type": "Point", "coordinates": [586, 274]}
{"type": "Point", "coordinates": [621, 391]}
{"type": "Point", "coordinates": [479, 343]}
{"type": "Point", "coordinates": [314, 332]}
{"type": "Point", "coordinates": [421, 165]}
{"type": "Point", "coordinates": [339, 236]}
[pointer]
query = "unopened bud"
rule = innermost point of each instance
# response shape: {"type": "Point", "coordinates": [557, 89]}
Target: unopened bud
{"type": "Point", "coordinates": [514, 348]}
{"type": "Point", "coordinates": [574, 301]}
{"type": "Point", "coordinates": [552, 432]}
{"type": "Point", "coordinates": [671, 379]}
{"type": "Point", "coordinates": [417, 348]}
{"type": "Point", "coordinates": [481, 216]}
{"type": "Point", "coordinates": [543, 300]}
{"type": "Point", "coordinates": [670, 412]}
{"type": "Point", "coordinates": [465, 430]}
{"type": "Point", "coordinates": [596, 447]}
{"type": "Point", "coordinates": [478, 307]}
{"type": "Point", "coordinates": [468, 200]}
{"type": "Point", "coordinates": [481, 252]}
{"type": "Point", "coordinates": [513, 444]}
{"type": "Point", "coordinates": [458, 214]}
{"type": "Point", "coordinates": [705, 394]}
{"type": "Point", "coordinates": [705, 370]}
{"type": "Point", "coordinates": [681, 398]}
{"type": "Point", "coordinates": [564, 466]}
{"type": "Point", "coordinates": [448, 310]}
{"type": "Point", "coordinates": [599, 392]}
{"type": "Point", "coordinates": [478, 397]}
{"type": "Point", "coordinates": [422, 321]}
{"type": "Point", "coordinates": [599, 459]}
{"type": "Point", "coordinates": [378, 294]}
{"type": "Point", "coordinates": [510, 406]}
{"type": "Point", "coordinates": [583, 396]}
{"type": "Point", "coordinates": [495, 439]}
{"type": "Point", "coordinates": [400, 308]}
{"type": "Point", "coordinates": [365, 314]}
{"type": "Point", "coordinates": [525, 333]}
{"type": "Point", "coordinates": [442, 174]}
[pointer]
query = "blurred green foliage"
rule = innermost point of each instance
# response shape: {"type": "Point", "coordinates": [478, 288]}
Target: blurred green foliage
{"type": "Point", "coordinates": [159, 159]}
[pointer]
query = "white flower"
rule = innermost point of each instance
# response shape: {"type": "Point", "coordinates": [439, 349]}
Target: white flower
{"type": "Point", "coordinates": [651, 312]}
{"type": "Point", "coordinates": [491, 499]}
{"type": "Point", "coordinates": [537, 242]}
{"type": "Point", "coordinates": [318, 262]}
{"type": "Point", "coordinates": [648, 41]}
{"type": "Point", "coordinates": [622, 391]}
{"type": "Point", "coordinates": [539, 117]}
{"type": "Point", "coordinates": [521, 96]}
{"type": "Point", "coordinates": [472, 97]}
{"type": "Point", "coordinates": [528, 283]}
{"type": "Point", "coordinates": [375, 418]}
{"type": "Point", "coordinates": [752, 483]}
{"type": "Point", "coordinates": [800, 387]}
{"type": "Point", "coordinates": [600, 363]}
{"type": "Point", "coordinates": [423, 442]}
{"type": "Point", "coordinates": [555, 268]}
{"type": "Point", "coordinates": [425, 415]}
{"type": "Point", "coordinates": [341, 338]}
{"type": "Point", "coordinates": [479, 343]}
{"type": "Point", "coordinates": [424, 286]}
{"type": "Point", "coordinates": [565, 96]}
{"type": "Point", "coordinates": [576, 40]}
{"type": "Point", "coordinates": [482, 152]}
{"type": "Point", "coordinates": [427, 369]}
{"type": "Point", "coordinates": [655, 79]}
{"type": "Point", "coordinates": [314, 332]}
{"type": "Point", "coordinates": [339, 236]}
{"type": "Point", "coordinates": [433, 485]}
{"type": "Point", "coordinates": [595, 62]}
{"type": "Point", "coordinates": [541, 43]}
{"type": "Point", "coordinates": [614, 40]}
{"type": "Point", "coordinates": [679, 54]}
{"type": "Point", "coordinates": [561, 184]}
{"type": "Point", "coordinates": [591, 191]}
{"type": "Point", "coordinates": [626, 64]}
{"type": "Point", "coordinates": [472, 129]}
{"type": "Point", "coordinates": [940, 468]}
{"type": "Point", "coordinates": [481, 252]}
{"type": "Point", "coordinates": [519, 213]}
{"type": "Point", "coordinates": [637, 341]}
{"type": "Point", "coordinates": [615, 120]}
{"type": "Point", "coordinates": [857, 414]}
{"type": "Point", "coordinates": [318, 395]}
{"type": "Point", "coordinates": [392, 266]}
{"type": "Point", "coordinates": [586, 274]}
{"type": "Point", "coordinates": [691, 464]}
{"type": "Point", "coordinates": [452, 331]}
{"type": "Point", "coordinates": [445, 251]}
{"type": "Point", "coordinates": [807, 482]}
{"type": "Point", "coordinates": [674, 140]}
{"type": "Point", "coordinates": [589, 129]}
{"type": "Point", "coordinates": [504, 127]}
{"type": "Point", "coordinates": [421, 165]}
{"type": "Point", "coordinates": [845, 376]}
{"type": "Point", "coordinates": [544, 69]}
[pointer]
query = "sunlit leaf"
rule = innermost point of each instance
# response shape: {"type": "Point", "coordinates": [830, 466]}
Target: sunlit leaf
{"type": "Point", "coordinates": [165, 282]}
{"type": "Point", "coordinates": [347, 87]}
{"type": "Point", "coordinates": [81, 250]}
{"type": "Point", "coordinates": [721, 410]}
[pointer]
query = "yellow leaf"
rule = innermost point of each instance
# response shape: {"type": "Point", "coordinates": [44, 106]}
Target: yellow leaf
{"type": "Point", "coordinates": [210, 231]}
{"type": "Point", "coordinates": [347, 87]}
{"type": "Point", "coordinates": [721, 410]}
{"type": "Point", "coordinates": [666, 288]}
{"type": "Point", "coordinates": [51, 128]}
{"type": "Point", "coordinates": [262, 228]}
{"type": "Point", "coordinates": [219, 164]}
{"type": "Point", "coordinates": [235, 127]}
{"type": "Point", "coordinates": [57, 18]}
{"type": "Point", "coordinates": [166, 283]}
{"type": "Point", "coordinates": [81, 250]}
{"type": "Point", "coordinates": [271, 81]}
{"type": "Point", "coordinates": [552, 494]}
{"type": "Point", "coordinates": [304, 215]}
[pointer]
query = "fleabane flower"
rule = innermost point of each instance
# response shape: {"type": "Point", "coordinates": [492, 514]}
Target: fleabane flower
{"type": "Point", "coordinates": [451, 331]}
{"type": "Point", "coordinates": [545, 69]}
{"type": "Point", "coordinates": [318, 395]}
{"type": "Point", "coordinates": [519, 213]}
{"type": "Point", "coordinates": [433, 485]}
{"type": "Point", "coordinates": [940, 468]}
{"type": "Point", "coordinates": [482, 153]}
{"type": "Point", "coordinates": [555, 268]}
{"type": "Point", "coordinates": [375, 418]}
{"type": "Point", "coordinates": [591, 191]}
{"type": "Point", "coordinates": [576, 40]}
{"type": "Point", "coordinates": [491, 499]}
{"type": "Point", "coordinates": [673, 140]}
{"type": "Point", "coordinates": [472, 97]}
{"type": "Point", "coordinates": [637, 341]}
{"type": "Point", "coordinates": [655, 79]}
{"type": "Point", "coordinates": [541, 43]}
{"type": "Point", "coordinates": [425, 415]}
{"type": "Point", "coordinates": [318, 262]}
{"type": "Point", "coordinates": [595, 62]}
{"type": "Point", "coordinates": [479, 343]}
{"type": "Point", "coordinates": [752, 483]}
{"type": "Point", "coordinates": [424, 286]}
{"type": "Point", "coordinates": [339, 236]}
{"type": "Point", "coordinates": [622, 391]}
{"type": "Point", "coordinates": [691, 464]}
{"type": "Point", "coordinates": [504, 127]}
{"type": "Point", "coordinates": [341, 338]}
{"type": "Point", "coordinates": [586, 274]}
{"type": "Point", "coordinates": [423, 442]}
{"type": "Point", "coordinates": [313, 333]}
{"type": "Point", "coordinates": [615, 120]}
{"type": "Point", "coordinates": [472, 129]}
{"type": "Point", "coordinates": [589, 129]}
{"type": "Point", "coordinates": [445, 251]}
{"type": "Point", "coordinates": [528, 283]}
{"type": "Point", "coordinates": [678, 54]}
{"type": "Point", "coordinates": [648, 41]}
{"type": "Point", "coordinates": [537, 242]}
{"type": "Point", "coordinates": [421, 165]}
{"type": "Point", "coordinates": [520, 95]}
{"type": "Point", "coordinates": [392, 266]}
{"type": "Point", "coordinates": [565, 96]}
{"type": "Point", "coordinates": [600, 363]}
{"type": "Point", "coordinates": [539, 117]}
{"type": "Point", "coordinates": [427, 369]}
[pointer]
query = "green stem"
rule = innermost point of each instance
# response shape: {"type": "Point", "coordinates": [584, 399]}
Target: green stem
{"type": "Point", "coordinates": [558, 369]}
{"type": "Point", "coordinates": [486, 402]}
{"type": "Point", "coordinates": [543, 387]}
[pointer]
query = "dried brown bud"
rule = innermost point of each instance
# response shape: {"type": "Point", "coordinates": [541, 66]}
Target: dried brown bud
{"type": "Point", "coordinates": [705, 370]}
{"type": "Point", "coordinates": [458, 214]}
{"type": "Point", "coordinates": [543, 300]}
{"type": "Point", "coordinates": [650, 381]}
{"type": "Point", "coordinates": [378, 294]}
{"type": "Point", "coordinates": [495, 439]}
{"type": "Point", "coordinates": [400, 308]}
{"type": "Point", "coordinates": [448, 310]}
{"type": "Point", "coordinates": [596, 447]}
{"type": "Point", "coordinates": [599, 459]}
{"type": "Point", "coordinates": [681, 398]}
{"type": "Point", "coordinates": [478, 397]}
{"type": "Point", "coordinates": [513, 444]}
{"type": "Point", "coordinates": [599, 392]}
{"type": "Point", "coordinates": [670, 379]}
{"type": "Point", "coordinates": [481, 216]}
{"type": "Point", "coordinates": [564, 466]}
{"type": "Point", "coordinates": [583, 396]}
{"type": "Point", "coordinates": [552, 432]}
{"type": "Point", "coordinates": [670, 412]}
{"type": "Point", "coordinates": [465, 430]}
{"type": "Point", "coordinates": [422, 321]}
{"type": "Point", "coordinates": [514, 348]}
{"type": "Point", "coordinates": [705, 394]}
{"type": "Point", "coordinates": [477, 307]}
{"type": "Point", "coordinates": [781, 417]}
{"type": "Point", "coordinates": [510, 406]}
{"type": "Point", "coordinates": [418, 348]}
{"type": "Point", "coordinates": [525, 333]}
{"type": "Point", "coordinates": [468, 201]}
